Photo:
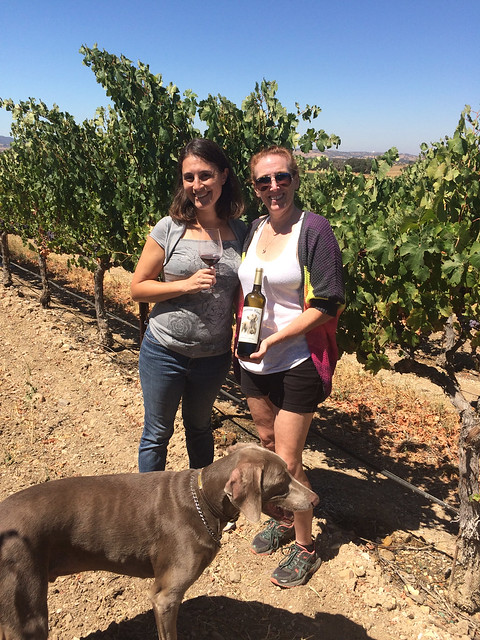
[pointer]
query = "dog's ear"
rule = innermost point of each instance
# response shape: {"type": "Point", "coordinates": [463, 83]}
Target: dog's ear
{"type": "Point", "coordinates": [244, 490]}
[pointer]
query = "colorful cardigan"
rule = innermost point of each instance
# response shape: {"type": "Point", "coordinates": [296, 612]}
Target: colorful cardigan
{"type": "Point", "coordinates": [322, 288]}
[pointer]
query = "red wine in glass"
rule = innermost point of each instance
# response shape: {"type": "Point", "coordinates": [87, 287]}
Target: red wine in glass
{"type": "Point", "coordinates": [210, 248]}
{"type": "Point", "coordinates": [210, 259]}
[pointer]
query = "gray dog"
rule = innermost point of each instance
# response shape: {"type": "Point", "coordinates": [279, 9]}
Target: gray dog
{"type": "Point", "coordinates": [164, 525]}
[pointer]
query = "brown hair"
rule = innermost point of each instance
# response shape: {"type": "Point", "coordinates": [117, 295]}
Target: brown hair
{"type": "Point", "coordinates": [274, 150]}
{"type": "Point", "coordinates": [229, 205]}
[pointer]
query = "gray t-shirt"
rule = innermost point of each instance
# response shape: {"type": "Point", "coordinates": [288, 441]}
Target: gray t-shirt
{"type": "Point", "coordinates": [199, 324]}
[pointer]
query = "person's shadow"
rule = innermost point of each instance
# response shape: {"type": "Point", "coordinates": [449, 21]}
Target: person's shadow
{"type": "Point", "coordinates": [222, 618]}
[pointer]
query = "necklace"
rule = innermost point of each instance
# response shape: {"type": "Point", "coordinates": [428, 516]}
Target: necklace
{"type": "Point", "coordinates": [274, 235]}
{"type": "Point", "coordinates": [264, 250]}
{"type": "Point", "coordinates": [284, 230]}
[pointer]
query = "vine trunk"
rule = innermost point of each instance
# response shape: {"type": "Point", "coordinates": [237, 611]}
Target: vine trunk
{"type": "Point", "coordinates": [466, 592]}
{"type": "Point", "coordinates": [46, 295]}
{"type": "Point", "coordinates": [7, 274]}
{"type": "Point", "coordinates": [105, 333]}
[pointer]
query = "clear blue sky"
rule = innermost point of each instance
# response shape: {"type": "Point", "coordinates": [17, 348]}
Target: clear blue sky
{"type": "Point", "coordinates": [384, 73]}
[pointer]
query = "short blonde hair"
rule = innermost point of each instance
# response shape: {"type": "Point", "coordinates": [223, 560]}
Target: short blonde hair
{"type": "Point", "coordinates": [271, 151]}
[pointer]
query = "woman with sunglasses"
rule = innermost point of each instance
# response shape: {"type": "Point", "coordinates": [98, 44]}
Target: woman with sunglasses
{"type": "Point", "coordinates": [186, 350]}
{"type": "Point", "coordinates": [291, 372]}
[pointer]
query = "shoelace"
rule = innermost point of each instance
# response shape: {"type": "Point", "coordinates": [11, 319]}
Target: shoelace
{"type": "Point", "coordinates": [273, 530]}
{"type": "Point", "coordinates": [294, 555]}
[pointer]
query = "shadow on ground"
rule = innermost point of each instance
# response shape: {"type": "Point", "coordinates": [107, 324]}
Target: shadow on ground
{"type": "Point", "coordinates": [370, 507]}
{"type": "Point", "coordinates": [221, 618]}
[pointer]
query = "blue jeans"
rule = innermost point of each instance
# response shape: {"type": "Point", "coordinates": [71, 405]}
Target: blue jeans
{"type": "Point", "coordinates": [166, 378]}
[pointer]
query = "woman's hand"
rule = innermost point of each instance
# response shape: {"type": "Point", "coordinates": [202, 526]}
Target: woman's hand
{"type": "Point", "coordinates": [200, 281]}
{"type": "Point", "coordinates": [256, 356]}
{"type": "Point", "coordinates": [145, 286]}
{"type": "Point", "coordinates": [305, 322]}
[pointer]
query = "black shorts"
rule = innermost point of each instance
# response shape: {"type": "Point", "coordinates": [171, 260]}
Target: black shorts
{"type": "Point", "coordinates": [299, 390]}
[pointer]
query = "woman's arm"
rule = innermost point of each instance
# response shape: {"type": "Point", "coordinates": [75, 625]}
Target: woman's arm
{"type": "Point", "coordinates": [145, 286]}
{"type": "Point", "coordinates": [305, 322]}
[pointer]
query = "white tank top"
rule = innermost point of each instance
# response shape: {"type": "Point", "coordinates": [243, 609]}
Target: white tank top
{"type": "Point", "coordinates": [281, 283]}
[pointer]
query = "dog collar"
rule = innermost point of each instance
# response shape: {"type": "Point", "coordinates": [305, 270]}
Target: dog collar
{"type": "Point", "coordinates": [199, 508]}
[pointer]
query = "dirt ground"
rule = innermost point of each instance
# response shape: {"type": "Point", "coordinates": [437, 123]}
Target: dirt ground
{"type": "Point", "coordinates": [67, 408]}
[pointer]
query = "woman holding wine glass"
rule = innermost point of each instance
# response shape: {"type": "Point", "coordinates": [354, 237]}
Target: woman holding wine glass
{"type": "Point", "coordinates": [210, 250]}
{"type": "Point", "coordinates": [289, 371]}
{"type": "Point", "coordinates": [186, 350]}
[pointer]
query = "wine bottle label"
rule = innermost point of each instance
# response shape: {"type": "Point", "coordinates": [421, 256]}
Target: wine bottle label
{"type": "Point", "coordinates": [250, 325]}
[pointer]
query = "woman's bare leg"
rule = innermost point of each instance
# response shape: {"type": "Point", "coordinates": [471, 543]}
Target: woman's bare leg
{"type": "Point", "coordinates": [264, 414]}
{"type": "Point", "coordinates": [285, 432]}
{"type": "Point", "coordinates": [291, 431]}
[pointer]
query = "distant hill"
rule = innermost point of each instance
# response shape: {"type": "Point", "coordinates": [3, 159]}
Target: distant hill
{"type": "Point", "coordinates": [329, 153]}
{"type": "Point", "coordinates": [345, 155]}
{"type": "Point", "coordinates": [5, 142]}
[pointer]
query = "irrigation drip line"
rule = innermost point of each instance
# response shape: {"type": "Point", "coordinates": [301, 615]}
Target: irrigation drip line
{"type": "Point", "coordinates": [75, 295]}
{"type": "Point", "coordinates": [369, 465]}
{"type": "Point", "coordinates": [233, 398]}
{"type": "Point", "coordinates": [354, 456]}
{"type": "Point", "coordinates": [239, 426]}
{"type": "Point", "coordinates": [389, 474]}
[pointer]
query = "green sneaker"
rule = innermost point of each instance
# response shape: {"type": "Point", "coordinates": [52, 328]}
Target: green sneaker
{"type": "Point", "coordinates": [273, 536]}
{"type": "Point", "coordinates": [297, 567]}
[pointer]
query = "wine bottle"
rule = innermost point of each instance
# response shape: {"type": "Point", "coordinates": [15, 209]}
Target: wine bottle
{"type": "Point", "coordinates": [250, 325]}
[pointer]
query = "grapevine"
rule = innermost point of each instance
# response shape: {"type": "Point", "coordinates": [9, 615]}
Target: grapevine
{"type": "Point", "coordinates": [410, 244]}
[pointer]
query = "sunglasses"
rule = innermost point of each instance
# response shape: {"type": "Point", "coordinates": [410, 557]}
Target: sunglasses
{"type": "Point", "coordinates": [282, 179]}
